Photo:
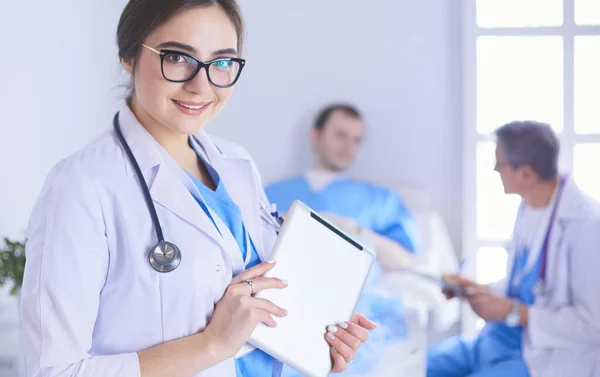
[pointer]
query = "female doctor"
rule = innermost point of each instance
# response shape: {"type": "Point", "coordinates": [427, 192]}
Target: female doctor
{"type": "Point", "coordinates": [145, 248]}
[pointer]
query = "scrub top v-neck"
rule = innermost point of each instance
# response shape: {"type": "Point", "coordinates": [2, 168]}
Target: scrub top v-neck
{"type": "Point", "coordinates": [257, 363]}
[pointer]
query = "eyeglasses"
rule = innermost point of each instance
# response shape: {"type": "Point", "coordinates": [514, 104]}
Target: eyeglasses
{"type": "Point", "coordinates": [177, 66]}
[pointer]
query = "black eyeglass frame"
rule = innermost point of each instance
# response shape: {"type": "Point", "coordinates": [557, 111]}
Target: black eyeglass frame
{"type": "Point", "coordinates": [206, 65]}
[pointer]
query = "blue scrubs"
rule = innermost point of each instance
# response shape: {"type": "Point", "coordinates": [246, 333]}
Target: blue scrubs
{"type": "Point", "coordinates": [373, 207]}
{"type": "Point", "coordinates": [257, 363]}
{"type": "Point", "coordinates": [497, 350]}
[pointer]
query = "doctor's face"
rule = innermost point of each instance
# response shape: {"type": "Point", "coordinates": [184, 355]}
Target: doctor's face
{"type": "Point", "coordinates": [338, 142]}
{"type": "Point", "coordinates": [204, 33]}
{"type": "Point", "coordinates": [511, 177]}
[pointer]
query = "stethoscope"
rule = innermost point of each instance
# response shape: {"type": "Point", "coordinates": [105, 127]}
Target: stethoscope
{"type": "Point", "coordinates": [165, 256]}
{"type": "Point", "coordinates": [541, 286]}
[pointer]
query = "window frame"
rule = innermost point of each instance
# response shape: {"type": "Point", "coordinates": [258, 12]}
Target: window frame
{"type": "Point", "coordinates": [470, 32]}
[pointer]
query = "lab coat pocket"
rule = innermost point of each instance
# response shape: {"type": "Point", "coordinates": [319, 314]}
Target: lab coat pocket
{"type": "Point", "coordinates": [189, 293]}
{"type": "Point", "coordinates": [137, 304]}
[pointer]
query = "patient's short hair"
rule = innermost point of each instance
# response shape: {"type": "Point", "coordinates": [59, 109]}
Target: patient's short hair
{"type": "Point", "coordinates": [530, 143]}
{"type": "Point", "coordinates": [325, 113]}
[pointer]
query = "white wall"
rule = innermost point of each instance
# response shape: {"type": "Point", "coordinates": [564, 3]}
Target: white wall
{"type": "Point", "coordinates": [59, 78]}
{"type": "Point", "coordinates": [58, 84]}
{"type": "Point", "coordinates": [397, 60]}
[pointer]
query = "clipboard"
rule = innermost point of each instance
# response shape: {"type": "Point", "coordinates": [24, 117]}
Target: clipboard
{"type": "Point", "coordinates": [326, 270]}
{"type": "Point", "coordinates": [444, 284]}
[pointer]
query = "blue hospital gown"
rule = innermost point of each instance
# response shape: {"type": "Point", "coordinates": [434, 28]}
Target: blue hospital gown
{"type": "Point", "coordinates": [373, 207]}
{"type": "Point", "coordinates": [381, 211]}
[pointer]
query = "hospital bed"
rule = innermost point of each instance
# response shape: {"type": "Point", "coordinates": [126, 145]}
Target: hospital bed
{"type": "Point", "coordinates": [429, 316]}
{"type": "Point", "coordinates": [438, 256]}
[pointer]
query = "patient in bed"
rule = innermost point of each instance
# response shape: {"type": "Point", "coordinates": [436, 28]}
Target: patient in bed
{"type": "Point", "coordinates": [372, 213]}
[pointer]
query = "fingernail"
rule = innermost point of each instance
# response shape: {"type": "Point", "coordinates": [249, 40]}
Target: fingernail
{"type": "Point", "coordinates": [271, 261]}
{"type": "Point", "coordinates": [284, 310]}
{"type": "Point", "coordinates": [284, 281]}
{"type": "Point", "coordinates": [470, 290]}
{"type": "Point", "coordinates": [332, 328]}
{"type": "Point", "coordinates": [343, 325]}
{"type": "Point", "coordinates": [330, 336]}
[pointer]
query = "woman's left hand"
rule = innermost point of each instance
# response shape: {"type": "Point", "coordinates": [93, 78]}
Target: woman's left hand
{"type": "Point", "coordinates": [345, 340]}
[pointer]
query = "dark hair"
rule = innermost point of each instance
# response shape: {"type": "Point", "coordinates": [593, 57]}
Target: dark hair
{"type": "Point", "coordinates": [141, 17]}
{"type": "Point", "coordinates": [530, 143]}
{"type": "Point", "coordinates": [325, 113]}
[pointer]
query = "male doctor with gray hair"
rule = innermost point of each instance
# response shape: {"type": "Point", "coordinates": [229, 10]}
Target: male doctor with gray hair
{"type": "Point", "coordinates": [544, 318]}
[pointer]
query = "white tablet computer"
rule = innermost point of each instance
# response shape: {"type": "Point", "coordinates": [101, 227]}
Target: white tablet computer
{"type": "Point", "coordinates": [326, 271]}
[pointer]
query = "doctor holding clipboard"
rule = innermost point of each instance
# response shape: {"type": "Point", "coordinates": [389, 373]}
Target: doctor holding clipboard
{"type": "Point", "coordinates": [145, 247]}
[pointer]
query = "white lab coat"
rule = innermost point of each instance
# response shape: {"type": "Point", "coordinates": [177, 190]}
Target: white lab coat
{"type": "Point", "coordinates": [563, 333]}
{"type": "Point", "coordinates": [90, 299]}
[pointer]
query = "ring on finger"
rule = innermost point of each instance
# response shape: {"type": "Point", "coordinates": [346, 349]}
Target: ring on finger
{"type": "Point", "coordinates": [249, 281]}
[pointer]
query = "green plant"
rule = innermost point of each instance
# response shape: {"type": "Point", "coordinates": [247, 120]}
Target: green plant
{"type": "Point", "coordinates": [12, 264]}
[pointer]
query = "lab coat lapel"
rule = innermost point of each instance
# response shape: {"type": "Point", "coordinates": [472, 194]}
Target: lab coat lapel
{"type": "Point", "coordinates": [570, 208]}
{"type": "Point", "coordinates": [221, 232]}
{"type": "Point", "coordinates": [166, 187]}
{"type": "Point", "coordinates": [168, 191]}
{"type": "Point", "coordinates": [239, 180]}
{"type": "Point", "coordinates": [236, 173]}
{"type": "Point", "coordinates": [556, 231]}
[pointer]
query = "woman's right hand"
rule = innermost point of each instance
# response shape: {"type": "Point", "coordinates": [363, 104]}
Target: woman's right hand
{"type": "Point", "coordinates": [238, 313]}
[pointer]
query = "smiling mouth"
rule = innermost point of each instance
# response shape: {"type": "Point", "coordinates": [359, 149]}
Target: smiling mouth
{"type": "Point", "coordinates": [189, 106]}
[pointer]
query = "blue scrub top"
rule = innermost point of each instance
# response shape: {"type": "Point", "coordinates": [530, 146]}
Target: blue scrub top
{"type": "Point", "coordinates": [257, 363]}
{"type": "Point", "coordinates": [508, 340]}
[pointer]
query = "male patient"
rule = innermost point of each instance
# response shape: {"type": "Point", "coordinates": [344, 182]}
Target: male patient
{"type": "Point", "coordinates": [373, 212]}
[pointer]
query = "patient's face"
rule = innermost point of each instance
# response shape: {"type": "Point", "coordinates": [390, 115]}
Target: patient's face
{"type": "Point", "coordinates": [338, 143]}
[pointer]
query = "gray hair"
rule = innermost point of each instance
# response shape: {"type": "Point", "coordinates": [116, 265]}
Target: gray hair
{"type": "Point", "coordinates": [530, 143]}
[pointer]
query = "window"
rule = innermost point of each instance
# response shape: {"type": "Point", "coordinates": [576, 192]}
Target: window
{"type": "Point", "coordinates": [585, 170]}
{"type": "Point", "coordinates": [495, 210]}
{"type": "Point", "coordinates": [524, 59]}
{"type": "Point", "coordinates": [519, 78]}
{"type": "Point", "coordinates": [587, 12]}
{"type": "Point", "coordinates": [586, 84]}
{"type": "Point", "coordinates": [519, 13]}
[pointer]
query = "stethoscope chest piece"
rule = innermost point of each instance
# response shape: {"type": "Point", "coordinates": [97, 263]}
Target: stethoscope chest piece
{"type": "Point", "coordinates": [164, 256]}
